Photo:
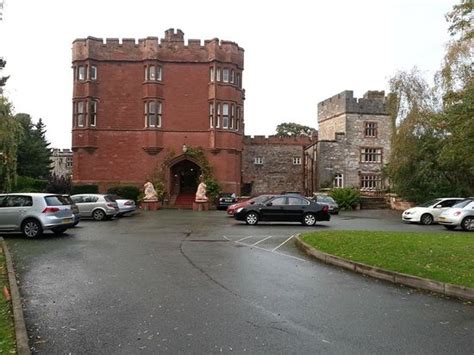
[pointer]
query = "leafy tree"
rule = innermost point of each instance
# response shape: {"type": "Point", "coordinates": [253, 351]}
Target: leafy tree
{"type": "Point", "coordinates": [34, 154]}
{"type": "Point", "coordinates": [10, 133]}
{"type": "Point", "coordinates": [432, 152]}
{"type": "Point", "coordinates": [289, 129]}
{"type": "Point", "coordinates": [3, 79]}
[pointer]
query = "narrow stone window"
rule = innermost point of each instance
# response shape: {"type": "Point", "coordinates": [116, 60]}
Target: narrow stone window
{"type": "Point", "coordinates": [211, 114]}
{"type": "Point", "coordinates": [93, 72]}
{"type": "Point", "coordinates": [237, 126]}
{"type": "Point", "coordinates": [296, 161]}
{"type": "Point", "coordinates": [81, 73]}
{"type": "Point", "coordinates": [338, 180]}
{"type": "Point", "coordinates": [80, 113]}
{"type": "Point", "coordinates": [211, 74]}
{"type": "Point", "coordinates": [93, 113]}
{"type": "Point", "coordinates": [225, 75]}
{"type": "Point", "coordinates": [218, 74]}
{"type": "Point", "coordinates": [151, 72]}
{"type": "Point", "coordinates": [218, 123]}
{"type": "Point", "coordinates": [153, 114]}
{"type": "Point", "coordinates": [370, 129]}
{"type": "Point", "coordinates": [232, 76]}
{"type": "Point", "coordinates": [232, 116]}
{"type": "Point", "coordinates": [225, 116]}
{"type": "Point", "coordinates": [258, 161]}
{"type": "Point", "coordinates": [239, 80]}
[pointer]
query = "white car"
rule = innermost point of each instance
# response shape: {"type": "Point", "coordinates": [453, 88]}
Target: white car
{"type": "Point", "coordinates": [461, 214]}
{"type": "Point", "coordinates": [126, 206]}
{"type": "Point", "coordinates": [428, 213]}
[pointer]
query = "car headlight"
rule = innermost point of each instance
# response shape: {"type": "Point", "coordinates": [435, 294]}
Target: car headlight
{"type": "Point", "coordinates": [239, 209]}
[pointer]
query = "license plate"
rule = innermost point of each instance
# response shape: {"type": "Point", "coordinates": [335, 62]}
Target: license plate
{"type": "Point", "coordinates": [67, 220]}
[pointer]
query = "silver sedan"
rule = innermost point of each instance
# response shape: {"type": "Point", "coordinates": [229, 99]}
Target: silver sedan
{"type": "Point", "coordinates": [461, 214]}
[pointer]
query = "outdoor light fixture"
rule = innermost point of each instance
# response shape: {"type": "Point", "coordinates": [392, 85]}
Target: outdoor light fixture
{"type": "Point", "coordinates": [185, 148]}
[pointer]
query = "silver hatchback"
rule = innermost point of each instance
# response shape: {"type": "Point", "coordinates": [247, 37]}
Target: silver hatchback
{"type": "Point", "coordinates": [33, 213]}
{"type": "Point", "coordinates": [96, 206]}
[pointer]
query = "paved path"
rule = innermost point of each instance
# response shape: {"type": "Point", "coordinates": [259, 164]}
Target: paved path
{"type": "Point", "coordinates": [188, 282]}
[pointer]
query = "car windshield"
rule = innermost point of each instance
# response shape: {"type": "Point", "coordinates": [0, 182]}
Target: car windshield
{"type": "Point", "coordinates": [56, 201]}
{"type": "Point", "coordinates": [462, 204]}
{"type": "Point", "coordinates": [430, 203]}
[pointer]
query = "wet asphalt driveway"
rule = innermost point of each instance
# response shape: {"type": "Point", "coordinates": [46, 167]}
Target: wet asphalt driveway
{"type": "Point", "coordinates": [199, 282]}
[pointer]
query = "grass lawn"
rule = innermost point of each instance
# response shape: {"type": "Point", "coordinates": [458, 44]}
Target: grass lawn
{"type": "Point", "coordinates": [446, 257]}
{"type": "Point", "coordinates": [7, 335]}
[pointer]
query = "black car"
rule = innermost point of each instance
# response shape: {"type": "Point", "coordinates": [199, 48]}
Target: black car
{"type": "Point", "coordinates": [224, 200]}
{"type": "Point", "coordinates": [284, 208]}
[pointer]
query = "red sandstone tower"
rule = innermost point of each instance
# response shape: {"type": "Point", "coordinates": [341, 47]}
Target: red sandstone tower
{"type": "Point", "coordinates": [139, 106]}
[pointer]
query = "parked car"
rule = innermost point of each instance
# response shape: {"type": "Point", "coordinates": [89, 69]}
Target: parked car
{"type": "Point", "coordinates": [33, 213]}
{"type": "Point", "coordinates": [328, 200]}
{"type": "Point", "coordinates": [225, 199]}
{"type": "Point", "coordinates": [284, 208]}
{"type": "Point", "coordinates": [259, 199]}
{"type": "Point", "coordinates": [428, 213]}
{"type": "Point", "coordinates": [126, 206]}
{"type": "Point", "coordinates": [461, 214]}
{"type": "Point", "coordinates": [96, 206]}
{"type": "Point", "coordinates": [75, 209]}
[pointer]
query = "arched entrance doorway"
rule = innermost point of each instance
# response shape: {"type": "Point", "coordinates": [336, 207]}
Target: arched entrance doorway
{"type": "Point", "coordinates": [184, 177]}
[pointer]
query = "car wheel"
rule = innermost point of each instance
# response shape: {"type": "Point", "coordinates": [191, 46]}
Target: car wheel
{"type": "Point", "coordinates": [31, 228]}
{"type": "Point", "coordinates": [98, 215]}
{"type": "Point", "coordinates": [449, 227]}
{"type": "Point", "coordinates": [467, 224]}
{"type": "Point", "coordinates": [309, 219]}
{"type": "Point", "coordinates": [58, 230]}
{"type": "Point", "coordinates": [426, 219]}
{"type": "Point", "coordinates": [251, 218]}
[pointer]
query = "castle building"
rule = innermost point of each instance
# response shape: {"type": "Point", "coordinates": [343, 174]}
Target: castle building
{"type": "Point", "coordinates": [353, 144]}
{"type": "Point", "coordinates": [141, 107]}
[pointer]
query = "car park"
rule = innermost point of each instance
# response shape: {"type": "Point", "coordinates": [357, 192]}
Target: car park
{"type": "Point", "coordinates": [284, 208]}
{"type": "Point", "coordinates": [428, 213]}
{"type": "Point", "coordinates": [33, 213]}
{"type": "Point", "coordinates": [225, 199]}
{"type": "Point", "coordinates": [232, 208]}
{"type": "Point", "coordinates": [328, 200]}
{"type": "Point", "coordinates": [460, 215]}
{"type": "Point", "coordinates": [126, 206]}
{"type": "Point", "coordinates": [96, 206]}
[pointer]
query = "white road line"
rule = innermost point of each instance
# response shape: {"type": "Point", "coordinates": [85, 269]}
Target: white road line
{"type": "Point", "coordinates": [283, 243]}
{"type": "Point", "coordinates": [261, 240]}
{"type": "Point", "coordinates": [250, 236]}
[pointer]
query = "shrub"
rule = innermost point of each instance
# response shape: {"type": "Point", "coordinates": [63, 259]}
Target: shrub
{"type": "Point", "coordinates": [347, 198]}
{"type": "Point", "coordinates": [28, 184]}
{"type": "Point", "coordinates": [59, 184]}
{"type": "Point", "coordinates": [84, 189]}
{"type": "Point", "coordinates": [212, 188]}
{"type": "Point", "coordinates": [130, 192]}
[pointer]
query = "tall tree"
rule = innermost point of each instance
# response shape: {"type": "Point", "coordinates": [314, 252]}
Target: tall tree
{"type": "Point", "coordinates": [10, 133]}
{"type": "Point", "coordinates": [34, 154]}
{"type": "Point", "coordinates": [432, 152]}
{"type": "Point", "coordinates": [3, 79]}
{"type": "Point", "coordinates": [288, 129]}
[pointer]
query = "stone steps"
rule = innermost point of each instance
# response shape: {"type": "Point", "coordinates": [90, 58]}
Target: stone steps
{"type": "Point", "coordinates": [373, 203]}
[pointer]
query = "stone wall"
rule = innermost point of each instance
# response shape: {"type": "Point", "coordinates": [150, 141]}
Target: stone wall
{"type": "Point", "coordinates": [278, 172]}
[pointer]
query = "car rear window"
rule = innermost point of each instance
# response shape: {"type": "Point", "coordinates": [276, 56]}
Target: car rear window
{"type": "Point", "coordinates": [109, 198]}
{"type": "Point", "coordinates": [56, 201]}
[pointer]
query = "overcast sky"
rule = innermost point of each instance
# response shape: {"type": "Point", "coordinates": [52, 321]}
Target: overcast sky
{"type": "Point", "coordinates": [297, 53]}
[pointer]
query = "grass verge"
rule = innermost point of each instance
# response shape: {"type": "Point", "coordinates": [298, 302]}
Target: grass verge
{"type": "Point", "coordinates": [7, 332]}
{"type": "Point", "coordinates": [446, 257]}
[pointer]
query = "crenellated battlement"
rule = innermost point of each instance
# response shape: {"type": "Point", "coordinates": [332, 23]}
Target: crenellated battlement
{"type": "Point", "coordinates": [373, 102]}
{"type": "Point", "coordinates": [170, 48]}
{"type": "Point", "coordinates": [293, 140]}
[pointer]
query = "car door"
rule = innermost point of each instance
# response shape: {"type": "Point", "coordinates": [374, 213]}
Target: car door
{"type": "Point", "coordinates": [296, 208]}
{"type": "Point", "coordinates": [443, 206]}
{"type": "Point", "coordinates": [13, 210]}
{"type": "Point", "coordinates": [273, 210]}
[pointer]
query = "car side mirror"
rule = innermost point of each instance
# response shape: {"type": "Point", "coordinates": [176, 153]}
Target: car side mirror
{"type": "Point", "coordinates": [438, 206]}
{"type": "Point", "coordinates": [269, 204]}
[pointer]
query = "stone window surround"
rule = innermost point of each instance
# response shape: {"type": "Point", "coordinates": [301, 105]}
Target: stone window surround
{"type": "Point", "coordinates": [296, 160]}
{"type": "Point", "coordinates": [85, 72]}
{"type": "Point", "coordinates": [338, 180]}
{"type": "Point", "coordinates": [158, 115]}
{"type": "Point", "coordinates": [217, 115]}
{"type": "Point", "coordinates": [258, 161]}
{"type": "Point", "coordinates": [153, 69]}
{"type": "Point", "coordinates": [372, 155]}
{"type": "Point", "coordinates": [369, 129]}
{"type": "Point", "coordinates": [85, 112]}
{"type": "Point", "coordinates": [225, 76]}
{"type": "Point", "coordinates": [371, 181]}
